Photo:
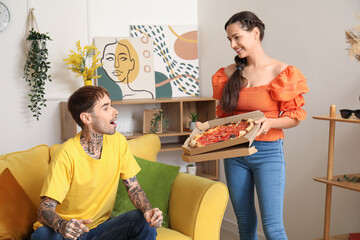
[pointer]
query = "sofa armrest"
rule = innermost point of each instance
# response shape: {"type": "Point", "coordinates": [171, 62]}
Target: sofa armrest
{"type": "Point", "coordinates": [197, 206]}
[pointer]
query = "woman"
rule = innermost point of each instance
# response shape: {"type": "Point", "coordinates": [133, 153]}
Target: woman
{"type": "Point", "coordinates": [258, 82]}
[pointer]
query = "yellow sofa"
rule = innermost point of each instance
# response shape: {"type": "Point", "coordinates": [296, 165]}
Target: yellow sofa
{"type": "Point", "coordinates": [196, 204]}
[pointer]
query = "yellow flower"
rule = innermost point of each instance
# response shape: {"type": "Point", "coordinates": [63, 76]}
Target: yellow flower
{"type": "Point", "coordinates": [78, 62]}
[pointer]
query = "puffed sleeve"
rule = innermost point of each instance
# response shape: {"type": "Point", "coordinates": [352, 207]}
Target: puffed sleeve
{"type": "Point", "coordinates": [219, 79]}
{"type": "Point", "coordinates": [288, 89]}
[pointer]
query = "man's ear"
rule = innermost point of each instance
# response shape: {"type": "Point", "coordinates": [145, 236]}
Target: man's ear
{"type": "Point", "coordinates": [85, 117]}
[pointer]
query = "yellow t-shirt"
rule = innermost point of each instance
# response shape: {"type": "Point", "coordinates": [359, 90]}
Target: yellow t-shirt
{"type": "Point", "coordinates": [86, 187]}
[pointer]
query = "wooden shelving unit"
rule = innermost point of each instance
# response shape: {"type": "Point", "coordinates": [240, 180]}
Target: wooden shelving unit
{"type": "Point", "coordinates": [331, 180]}
{"type": "Point", "coordinates": [176, 110]}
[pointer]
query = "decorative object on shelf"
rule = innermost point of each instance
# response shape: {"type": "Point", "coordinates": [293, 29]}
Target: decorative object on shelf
{"type": "Point", "coordinates": [126, 126]}
{"type": "Point", "coordinates": [127, 70]}
{"type": "Point", "coordinates": [194, 117]}
{"type": "Point", "coordinates": [349, 179]}
{"type": "Point", "coordinates": [191, 169]}
{"type": "Point", "coordinates": [176, 58]}
{"type": "Point", "coordinates": [84, 62]}
{"type": "Point", "coordinates": [4, 17]}
{"type": "Point", "coordinates": [353, 39]}
{"type": "Point", "coordinates": [154, 121]}
{"type": "Point", "coordinates": [36, 66]}
{"type": "Point", "coordinates": [346, 113]}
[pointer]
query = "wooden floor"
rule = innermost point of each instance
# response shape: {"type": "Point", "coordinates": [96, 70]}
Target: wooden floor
{"type": "Point", "coordinates": [228, 235]}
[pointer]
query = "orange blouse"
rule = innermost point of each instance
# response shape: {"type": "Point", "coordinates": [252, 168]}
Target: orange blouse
{"type": "Point", "coordinates": [281, 97]}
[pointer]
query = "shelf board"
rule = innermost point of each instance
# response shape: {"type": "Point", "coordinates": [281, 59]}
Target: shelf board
{"type": "Point", "coordinates": [161, 100]}
{"type": "Point", "coordinates": [164, 134]}
{"type": "Point", "coordinates": [355, 186]}
{"type": "Point", "coordinates": [338, 118]}
{"type": "Point", "coordinates": [206, 176]}
{"type": "Point", "coordinates": [167, 147]}
{"type": "Point", "coordinates": [337, 237]}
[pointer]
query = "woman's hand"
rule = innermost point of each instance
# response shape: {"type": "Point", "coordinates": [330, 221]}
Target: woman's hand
{"type": "Point", "coordinates": [266, 125]}
{"type": "Point", "coordinates": [276, 123]}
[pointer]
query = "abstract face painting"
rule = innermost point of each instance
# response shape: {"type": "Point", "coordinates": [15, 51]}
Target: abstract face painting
{"type": "Point", "coordinates": [175, 57]}
{"type": "Point", "coordinates": [127, 70]}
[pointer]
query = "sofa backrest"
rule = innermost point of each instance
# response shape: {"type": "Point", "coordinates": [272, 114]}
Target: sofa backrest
{"type": "Point", "coordinates": [29, 169]}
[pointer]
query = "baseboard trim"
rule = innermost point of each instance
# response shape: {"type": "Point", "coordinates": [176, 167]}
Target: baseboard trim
{"type": "Point", "coordinates": [231, 226]}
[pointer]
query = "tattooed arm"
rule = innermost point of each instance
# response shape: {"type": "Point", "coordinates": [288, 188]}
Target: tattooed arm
{"type": "Point", "coordinates": [139, 199]}
{"type": "Point", "coordinates": [48, 217]}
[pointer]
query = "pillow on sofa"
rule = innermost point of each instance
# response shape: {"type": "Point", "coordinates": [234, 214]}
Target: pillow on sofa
{"type": "Point", "coordinates": [146, 146]}
{"type": "Point", "coordinates": [29, 169]}
{"type": "Point", "coordinates": [155, 179]}
{"type": "Point", "coordinates": [17, 211]}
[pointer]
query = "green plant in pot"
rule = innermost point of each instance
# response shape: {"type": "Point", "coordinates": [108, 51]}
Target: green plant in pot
{"type": "Point", "coordinates": [157, 121]}
{"type": "Point", "coordinates": [194, 118]}
{"type": "Point", "coordinates": [35, 71]}
{"type": "Point", "coordinates": [191, 169]}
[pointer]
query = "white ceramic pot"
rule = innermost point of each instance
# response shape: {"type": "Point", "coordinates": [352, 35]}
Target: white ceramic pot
{"type": "Point", "coordinates": [192, 125]}
{"type": "Point", "coordinates": [191, 170]}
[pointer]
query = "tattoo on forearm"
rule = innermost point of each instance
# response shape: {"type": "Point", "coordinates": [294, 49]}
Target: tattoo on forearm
{"type": "Point", "coordinates": [46, 213]}
{"type": "Point", "coordinates": [137, 194]}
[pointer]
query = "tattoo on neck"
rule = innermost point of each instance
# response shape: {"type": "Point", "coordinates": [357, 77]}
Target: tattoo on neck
{"type": "Point", "coordinates": [91, 143]}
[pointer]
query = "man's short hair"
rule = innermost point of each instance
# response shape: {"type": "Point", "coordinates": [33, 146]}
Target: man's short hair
{"type": "Point", "coordinates": [83, 100]}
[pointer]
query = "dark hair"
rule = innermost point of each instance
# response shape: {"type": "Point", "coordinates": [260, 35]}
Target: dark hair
{"type": "Point", "coordinates": [230, 96]}
{"type": "Point", "coordinates": [83, 100]}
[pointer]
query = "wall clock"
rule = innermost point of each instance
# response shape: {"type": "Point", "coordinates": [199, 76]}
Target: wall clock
{"type": "Point", "coordinates": [4, 16]}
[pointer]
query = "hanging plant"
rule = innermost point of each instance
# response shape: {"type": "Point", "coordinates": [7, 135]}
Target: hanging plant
{"type": "Point", "coordinates": [35, 71]}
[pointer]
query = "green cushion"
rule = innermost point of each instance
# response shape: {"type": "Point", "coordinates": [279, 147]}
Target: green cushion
{"type": "Point", "coordinates": [155, 179]}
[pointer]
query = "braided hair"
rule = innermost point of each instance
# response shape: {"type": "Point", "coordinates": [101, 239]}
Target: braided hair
{"type": "Point", "coordinates": [230, 96]}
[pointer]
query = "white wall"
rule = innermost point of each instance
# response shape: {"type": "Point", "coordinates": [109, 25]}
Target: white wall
{"type": "Point", "coordinates": [309, 35]}
{"type": "Point", "coordinates": [306, 34]}
{"type": "Point", "coordinates": [68, 21]}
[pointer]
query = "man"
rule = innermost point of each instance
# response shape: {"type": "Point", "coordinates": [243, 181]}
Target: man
{"type": "Point", "coordinates": [79, 191]}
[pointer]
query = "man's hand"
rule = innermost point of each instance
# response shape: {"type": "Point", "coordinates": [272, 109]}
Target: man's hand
{"type": "Point", "coordinates": [154, 217]}
{"type": "Point", "coordinates": [68, 229]}
{"type": "Point", "coordinates": [74, 228]}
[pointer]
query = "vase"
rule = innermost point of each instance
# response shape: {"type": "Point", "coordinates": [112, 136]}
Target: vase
{"type": "Point", "coordinates": [88, 82]}
{"type": "Point", "coordinates": [192, 125]}
{"type": "Point", "coordinates": [191, 170]}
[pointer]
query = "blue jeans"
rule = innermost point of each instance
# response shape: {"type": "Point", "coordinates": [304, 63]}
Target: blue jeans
{"type": "Point", "coordinates": [130, 225]}
{"type": "Point", "coordinates": [264, 169]}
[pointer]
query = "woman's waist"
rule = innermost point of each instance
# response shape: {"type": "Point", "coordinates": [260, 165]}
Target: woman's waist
{"type": "Point", "coordinates": [272, 135]}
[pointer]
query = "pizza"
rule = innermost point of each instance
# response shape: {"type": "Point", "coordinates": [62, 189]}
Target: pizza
{"type": "Point", "coordinates": [222, 133]}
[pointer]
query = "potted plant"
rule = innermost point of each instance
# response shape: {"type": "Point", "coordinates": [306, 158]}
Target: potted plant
{"type": "Point", "coordinates": [194, 117]}
{"type": "Point", "coordinates": [36, 70]}
{"type": "Point", "coordinates": [154, 120]}
{"type": "Point", "coordinates": [84, 62]}
{"type": "Point", "coordinates": [191, 169]}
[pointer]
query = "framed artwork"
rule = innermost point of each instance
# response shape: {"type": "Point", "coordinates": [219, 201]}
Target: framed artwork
{"type": "Point", "coordinates": [127, 70]}
{"type": "Point", "coordinates": [175, 58]}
